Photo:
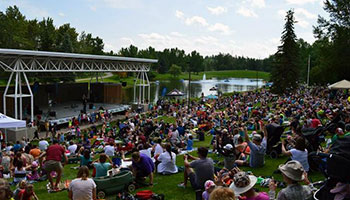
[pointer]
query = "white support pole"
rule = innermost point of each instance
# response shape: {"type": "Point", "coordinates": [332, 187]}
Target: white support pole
{"type": "Point", "coordinates": [143, 87]}
{"type": "Point", "coordinates": [31, 98]}
{"type": "Point", "coordinates": [15, 95]}
{"type": "Point", "coordinates": [5, 92]}
{"type": "Point", "coordinates": [20, 96]}
{"type": "Point", "coordinates": [139, 102]}
{"type": "Point", "coordinates": [149, 88]}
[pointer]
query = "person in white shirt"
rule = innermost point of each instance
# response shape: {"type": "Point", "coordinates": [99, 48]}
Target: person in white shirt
{"type": "Point", "coordinates": [109, 150]}
{"type": "Point", "coordinates": [158, 149]}
{"type": "Point", "coordinates": [43, 144]}
{"type": "Point", "coordinates": [167, 161]}
{"type": "Point", "coordinates": [82, 187]}
{"type": "Point", "coordinates": [72, 148]}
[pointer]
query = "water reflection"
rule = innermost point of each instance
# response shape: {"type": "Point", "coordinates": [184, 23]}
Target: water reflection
{"type": "Point", "coordinates": [197, 87]}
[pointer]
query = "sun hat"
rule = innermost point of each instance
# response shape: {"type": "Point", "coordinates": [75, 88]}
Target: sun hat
{"type": "Point", "coordinates": [293, 170]}
{"type": "Point", "coordinates": [34, 164]}
{"type": "Point", "coordinates": [228, 147]}
{"type": "Point", "coordinates": [256, 137]}
{"type": "Point", "coordinates": [242, 182]}
{"type": "Point", "coordinates": [208, 184]}
{"type": "Point", "coordinates": [224, 130]}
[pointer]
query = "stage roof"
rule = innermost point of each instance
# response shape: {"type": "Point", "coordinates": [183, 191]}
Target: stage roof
{"type": "Point", "coordinates": [44, 61]}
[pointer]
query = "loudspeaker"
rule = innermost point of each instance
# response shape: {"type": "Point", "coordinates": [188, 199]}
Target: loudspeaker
{"type": "Point", "coordinates": [91, 105]}
{"type": "Point", "coordinates": [124, 84]}
{"type": "Point", "coordinates": [52, 114]}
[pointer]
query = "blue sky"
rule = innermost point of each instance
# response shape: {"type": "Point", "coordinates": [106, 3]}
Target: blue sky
{"type": "Point", "coordinates": [239, 27]}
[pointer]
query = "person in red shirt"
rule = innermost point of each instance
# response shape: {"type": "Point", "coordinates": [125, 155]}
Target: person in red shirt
{"type": "Point", "coordinates": [54, 154]}
{"type": "Point", "coordinates": [28, 193]}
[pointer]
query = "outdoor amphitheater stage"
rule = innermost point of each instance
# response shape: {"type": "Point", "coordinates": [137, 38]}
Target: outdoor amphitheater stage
{"type": "Point", "coordinates": [62, 113]}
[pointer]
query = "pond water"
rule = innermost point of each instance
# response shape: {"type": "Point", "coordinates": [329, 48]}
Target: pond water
{"type": "Point", "coordinates": [158, 90]}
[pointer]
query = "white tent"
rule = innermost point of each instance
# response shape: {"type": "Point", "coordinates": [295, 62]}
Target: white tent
{"type": "Point", "coordinates": [344, 84]}
{"type": "Point", "coordinates": [8, 122]}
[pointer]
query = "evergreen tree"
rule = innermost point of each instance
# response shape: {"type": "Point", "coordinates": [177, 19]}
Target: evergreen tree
{"type": "Point", "coordinates": [285, 72]}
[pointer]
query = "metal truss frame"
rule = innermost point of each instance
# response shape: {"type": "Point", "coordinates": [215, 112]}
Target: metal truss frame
{"type": "Point", "coordinates": [20, 62]}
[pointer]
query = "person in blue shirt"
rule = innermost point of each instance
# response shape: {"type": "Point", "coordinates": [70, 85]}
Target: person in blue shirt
{"type": "Point", "coordinates": [85, 159]}
{"type": "Point", "coordinates": [17, 146]}
{"type": "Point", "coordinates": [190, 143]}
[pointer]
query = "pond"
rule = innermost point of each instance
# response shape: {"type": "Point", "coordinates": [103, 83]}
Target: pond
{"type": "Point", "coordinates": [161, 88]}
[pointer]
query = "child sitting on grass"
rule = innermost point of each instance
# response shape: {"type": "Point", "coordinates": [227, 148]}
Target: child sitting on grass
{"type": "Point", "coordinates": [21, 186]}
{"type": "Point", "coordinates": [28, 193]}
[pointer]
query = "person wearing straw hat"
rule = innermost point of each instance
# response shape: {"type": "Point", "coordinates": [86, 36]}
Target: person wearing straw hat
{"type": "Point", "coordinates": [293, 173]}
{"type": "Point", "coordinates": [243, 185]}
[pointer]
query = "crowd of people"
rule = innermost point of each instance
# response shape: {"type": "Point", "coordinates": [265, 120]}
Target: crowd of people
{"type": "Point", "coordinates": [238, 125]}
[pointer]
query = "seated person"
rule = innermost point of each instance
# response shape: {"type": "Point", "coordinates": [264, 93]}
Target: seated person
{"type": "Point", "coordinates": [142, 166]}
{"type": "Point", "coordinates": [85, 159]}
{"type": "Point", "coordinates": [292, 173]}
{"type": "Point", "coordinates": [257, 149]}
{"type": "Point", "coordinates": [101, 167]}
{"type": "Point", "coordinates": [243, 185]}
{"type": "Point", "coordinates": [167, 161]}
{"type": "Point", "coordinates": [199, 170]}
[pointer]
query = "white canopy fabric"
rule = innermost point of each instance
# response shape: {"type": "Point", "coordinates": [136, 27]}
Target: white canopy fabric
{"type": "Point", "coordinates": [8, 122]}
{"type": "Point", "coordinates": [344, 84]}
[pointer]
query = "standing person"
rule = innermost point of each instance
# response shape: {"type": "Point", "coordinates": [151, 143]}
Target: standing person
{"type": "Point", "coordinates": [167, 161]}
{"type": "Point", "coordinates": [257, 148]}
{"type": "Point", "coordinates": [54, 154]}
{"type": "Point", "coordinates": [84, 100]}
{"type": "Point", "coordinates": [292, 173]}
{"type": "Point", "coordinates": [47, 128]}
{"type": "Point", "coordinates": [199, 170]}
{"type": "Point", "coordinates": [142, 166]}
{"type": "Point", "coordinates": [83, 187]}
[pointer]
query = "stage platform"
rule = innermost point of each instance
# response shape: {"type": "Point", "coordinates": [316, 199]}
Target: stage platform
{"type": "Point", "coordinates": [66, 111]}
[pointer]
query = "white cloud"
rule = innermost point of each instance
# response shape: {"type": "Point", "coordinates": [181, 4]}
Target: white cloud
{"type": "Point", "coordinates": [282, 13]}
{"type": "Point", "coordinates": [196, 20]}
{"type": "Point", "coordinates": [222, 28]}
{"type": "Point", "coordinates": [177, 34]}
{"type": "Point", "coordinates": [61, 14]}
{"type": "Point", "coordinates": [302, 2]}
{"type": "Point", "coordinates": [257, 3]}
{"type": "Point", "coordinates": [126, 40]}
{"type": "Point", "coordinates": [217, 10]}
{"type": "Point", "coordinates": [246, 12]}
{"type": "Point", "coordinates": [305, 13]}
{"type": "Point", "coordinates": [179, 14]}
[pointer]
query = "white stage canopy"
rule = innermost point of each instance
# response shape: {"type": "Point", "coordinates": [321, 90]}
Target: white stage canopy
{"type": "Point", "coordinates": [8, 122]}
{"type": "Point", "coordinates": [344, 84]}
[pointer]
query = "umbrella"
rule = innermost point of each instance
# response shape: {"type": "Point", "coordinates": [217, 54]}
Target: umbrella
{"type": "Point", "coordinates": [344, 84]}
{"type": "Point", "coordinates": [211, 97]}
{"type": "Point", "coordinates": [175, 92]}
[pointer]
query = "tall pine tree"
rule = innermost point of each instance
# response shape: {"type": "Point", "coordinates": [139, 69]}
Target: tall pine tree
{"type": "Point", "coordinates": [285, 72]}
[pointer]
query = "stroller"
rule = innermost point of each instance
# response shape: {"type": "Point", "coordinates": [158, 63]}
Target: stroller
{"type": "Point", "coordinates": [274, 132]}
{"type": "Point", "coordinates": [316, 136]}
{"type": "Point", "coordinates": [335, 168]}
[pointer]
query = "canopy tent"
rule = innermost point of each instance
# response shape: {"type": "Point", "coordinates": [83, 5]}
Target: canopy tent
{"type": "Point", "coordinates": [211, 96]}
{"type": "Point", "coordinates": [8, 122]}
{"type": "Point", "coordinates": [175, 92]}
{"type": "Point", "coordinates": [344, 84]}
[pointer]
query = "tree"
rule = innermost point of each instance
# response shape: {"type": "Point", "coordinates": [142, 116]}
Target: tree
{"type": "Point", "coordinates": [334, 34]}
{"type": "Point", "coordinates": [285, 71]}
{"type": "Point", "coordinates": [196, 62]}
{"type": "Point", "coordinates": [175, 70]}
